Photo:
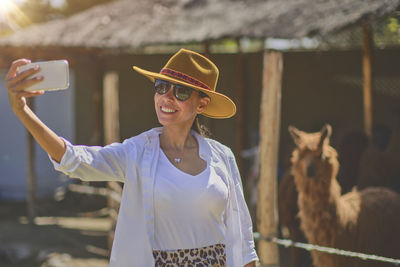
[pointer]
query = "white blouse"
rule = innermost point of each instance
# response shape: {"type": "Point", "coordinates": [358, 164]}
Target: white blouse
{"type": "Point", "coordinates": [189, 209]}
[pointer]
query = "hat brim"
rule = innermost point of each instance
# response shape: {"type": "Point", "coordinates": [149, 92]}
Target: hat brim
{"type": "Point", "coordinates": [220, 106]}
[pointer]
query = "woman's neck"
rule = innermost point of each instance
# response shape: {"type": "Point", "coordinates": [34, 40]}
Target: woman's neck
{"type": "Point", "coordinates": [176, 139]}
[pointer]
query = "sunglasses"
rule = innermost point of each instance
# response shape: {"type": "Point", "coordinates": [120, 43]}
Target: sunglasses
{"type": "Point", "coordinates": [181, 92]}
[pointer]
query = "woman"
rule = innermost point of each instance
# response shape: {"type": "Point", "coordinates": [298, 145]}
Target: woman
{"type": "Point", "coordinates": [182, 202]}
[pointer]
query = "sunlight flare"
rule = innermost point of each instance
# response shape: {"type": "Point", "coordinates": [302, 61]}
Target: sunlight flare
{"type": "Point", "coordinates": [6, 6]}
{"type": "Point", "coordinates": [12, 16]}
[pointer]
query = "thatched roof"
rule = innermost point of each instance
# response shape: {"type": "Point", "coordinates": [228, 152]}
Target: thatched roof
{"type": "Point", "coordinates": [134, 23]}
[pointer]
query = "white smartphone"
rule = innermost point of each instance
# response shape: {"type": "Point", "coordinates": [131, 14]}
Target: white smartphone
{"type": "Point", "coordinates": [55, 75]}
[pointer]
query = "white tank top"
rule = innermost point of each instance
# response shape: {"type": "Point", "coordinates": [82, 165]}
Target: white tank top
{"type": "Point", "coordinates": [189, 210]}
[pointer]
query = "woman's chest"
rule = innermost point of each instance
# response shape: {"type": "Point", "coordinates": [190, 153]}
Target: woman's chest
{"type": "Point", "coordinates": [205, 192]}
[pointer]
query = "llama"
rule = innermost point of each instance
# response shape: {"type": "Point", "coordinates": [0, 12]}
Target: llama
{"type": "Point", "coordinates": [350, 150]}
{"type": "Point", "coordinates": [366, 221]}
{"type": "Point", "coordinates": [289, 221]}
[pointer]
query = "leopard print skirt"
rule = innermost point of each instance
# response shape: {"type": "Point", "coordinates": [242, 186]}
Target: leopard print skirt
{"type": "Point", "coordinates": [211, 256]}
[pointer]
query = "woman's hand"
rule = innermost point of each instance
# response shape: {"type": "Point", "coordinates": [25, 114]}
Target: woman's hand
{"type": "Point", "coordinates": [18, 82]}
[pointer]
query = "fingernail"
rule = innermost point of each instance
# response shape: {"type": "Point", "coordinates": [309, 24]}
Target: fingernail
{"type": "Point", "coordinates": [36, 68]}
{"type": "Point", "coordinates": [39, 77]}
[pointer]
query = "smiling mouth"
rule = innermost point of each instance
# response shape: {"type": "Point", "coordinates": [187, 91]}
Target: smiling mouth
{"type": "Point", "coordinates": [167, 110]}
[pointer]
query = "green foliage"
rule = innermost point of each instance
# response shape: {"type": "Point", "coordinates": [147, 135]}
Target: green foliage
{"type": "Point", "coordinates": [393, 25]}
{"type": "Point", "coordinates": [387, 32]}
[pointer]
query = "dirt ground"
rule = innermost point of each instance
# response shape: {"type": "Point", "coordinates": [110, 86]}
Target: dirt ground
{"type": "Point", "coordinates": [66, 233]}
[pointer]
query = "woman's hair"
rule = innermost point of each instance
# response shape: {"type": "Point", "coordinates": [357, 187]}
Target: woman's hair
{"type": "Point", "coordinates": [200, 128]}
{"type": "Point", "coordinates": [197, 125]}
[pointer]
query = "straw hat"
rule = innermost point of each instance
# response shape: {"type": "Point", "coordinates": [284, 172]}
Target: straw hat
{"type": "Point", "coordinates": [191, 69]}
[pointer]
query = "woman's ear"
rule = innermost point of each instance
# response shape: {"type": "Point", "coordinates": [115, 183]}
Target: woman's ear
{"type": "Point", "coordinates": [203, 103]}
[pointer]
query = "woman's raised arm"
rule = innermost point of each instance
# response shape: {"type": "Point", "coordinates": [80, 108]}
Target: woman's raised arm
{"type": "Point", "coordinates": [16, 84]}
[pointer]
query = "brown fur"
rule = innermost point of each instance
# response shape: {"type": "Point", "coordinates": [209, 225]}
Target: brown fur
{"type": "Point", "coordinates": [351, 148]}
{"type": "Point", "coordinates": [289, 221]}
{"type": "Point", "coordinates": [365, 221]}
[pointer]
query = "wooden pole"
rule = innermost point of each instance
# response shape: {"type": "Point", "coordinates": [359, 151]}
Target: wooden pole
{"type": "Point", "coordinates": [239, 104]}
{"type": "Point", "coordinates": [31, 177]}
{"type": "Point", "coordinates": [111, 135]}
{"type": "Point", "coordinates": [267, 207]}
{"type": "Point", "coordinates": [98, 103]}
{"type": "Point", "coordinates": [367, 77]}
{"type": "Point", "coordinates": [111, 108]}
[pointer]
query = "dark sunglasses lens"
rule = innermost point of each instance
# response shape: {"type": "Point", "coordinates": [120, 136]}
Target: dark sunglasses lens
{"type": "Point", "coordinates": [182, 93]}
{"type": "Point", "coordinates": [161, 87]}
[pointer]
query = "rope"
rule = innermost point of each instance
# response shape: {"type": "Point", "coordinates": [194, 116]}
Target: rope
{"type": "Point", "coordinates": [309, 247]}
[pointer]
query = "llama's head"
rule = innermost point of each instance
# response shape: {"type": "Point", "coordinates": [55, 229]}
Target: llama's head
{"type": "Point", "coordinates": [314, 161]}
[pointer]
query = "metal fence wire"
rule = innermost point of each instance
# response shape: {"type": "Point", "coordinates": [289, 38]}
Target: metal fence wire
{"type": "Point", "coordinates": [309, 247]}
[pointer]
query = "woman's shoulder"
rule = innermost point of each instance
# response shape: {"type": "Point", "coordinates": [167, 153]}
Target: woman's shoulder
{"type": "Point", "coordinates": [143, 138]}
{"type": "Point", "coordinates": [219, 147]}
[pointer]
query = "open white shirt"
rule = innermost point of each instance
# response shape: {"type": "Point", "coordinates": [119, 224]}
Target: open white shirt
{"type": "Point", "coordinates": [189, 209]}
{"type": "Point", "coordinates": [134, 162]}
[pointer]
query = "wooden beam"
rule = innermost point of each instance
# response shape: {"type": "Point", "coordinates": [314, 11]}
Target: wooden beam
{"type": "Point", "coordinates": [9, 54]}
{"type": "Point", "coordinates": [91, 190]}
{"type": "Point", "coordinates": [267, 207]}
{"type": "Point", "coordinates": [368, 82]}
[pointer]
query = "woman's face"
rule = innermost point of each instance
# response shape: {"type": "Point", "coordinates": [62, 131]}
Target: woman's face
{"type": "Point", "coordinates": [170, 111]}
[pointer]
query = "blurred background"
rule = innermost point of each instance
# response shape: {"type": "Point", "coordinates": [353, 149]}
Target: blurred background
{"type": "Point", "coordinates": [47, 219]}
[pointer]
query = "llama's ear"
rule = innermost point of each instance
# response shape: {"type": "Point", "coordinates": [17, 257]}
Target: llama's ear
{"type": "Point", "coordinates": [295, 133]}
{"type": "Point", "coordinates": [326, 132]}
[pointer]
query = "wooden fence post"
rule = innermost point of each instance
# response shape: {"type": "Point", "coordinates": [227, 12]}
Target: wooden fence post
{"type": "Point", "coordinates": [267, 206]}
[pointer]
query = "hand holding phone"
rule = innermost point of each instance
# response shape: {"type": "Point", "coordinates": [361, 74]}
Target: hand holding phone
{"type": "Point", "coordinates": [55, 75]}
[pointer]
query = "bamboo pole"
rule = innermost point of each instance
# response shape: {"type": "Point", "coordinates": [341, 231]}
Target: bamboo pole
{"type": "Point", "coordinates": [267, 207]}
{"type": "Point", "coordinates": [368, 82]}
{"type": "Point", "coordinates": [31, 177]}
